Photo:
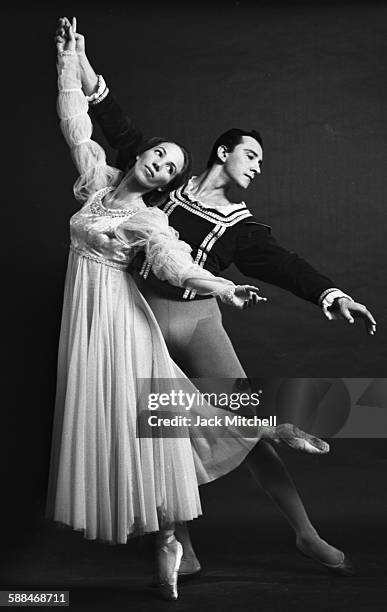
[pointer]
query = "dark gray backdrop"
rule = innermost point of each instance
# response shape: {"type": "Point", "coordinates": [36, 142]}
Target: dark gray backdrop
{"type": "Point", "coordinates": [311, 77]}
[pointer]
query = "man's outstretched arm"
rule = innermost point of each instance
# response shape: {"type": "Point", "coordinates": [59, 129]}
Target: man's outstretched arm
{"type": "Point", "coordinates": [259, 256]}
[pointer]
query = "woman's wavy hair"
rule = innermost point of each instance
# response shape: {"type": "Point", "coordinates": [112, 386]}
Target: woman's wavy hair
{"type": "Point", "coordinates": [155, 197]}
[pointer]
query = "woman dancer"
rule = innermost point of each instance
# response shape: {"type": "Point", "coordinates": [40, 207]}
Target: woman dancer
{"type": "Point", "coordinates": [104, 480]}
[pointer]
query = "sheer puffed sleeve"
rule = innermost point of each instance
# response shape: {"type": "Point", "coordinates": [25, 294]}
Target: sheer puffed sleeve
{"type": "Point", "coordinates": [75, 123]}
{"type": "Point", "coordinates": [169, 257]}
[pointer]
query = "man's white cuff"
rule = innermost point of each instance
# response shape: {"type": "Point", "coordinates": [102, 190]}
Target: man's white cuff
{"type": "Point", "coordinates": [100, 94]}
{"type": "Point", "coordinates": [328, 296]}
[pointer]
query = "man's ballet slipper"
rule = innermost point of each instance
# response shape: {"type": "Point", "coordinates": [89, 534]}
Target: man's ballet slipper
{"type": "Point", "coordinates": [344, 567]}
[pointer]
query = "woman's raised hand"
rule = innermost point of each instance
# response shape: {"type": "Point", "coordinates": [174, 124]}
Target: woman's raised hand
{"type": "Point", "coordinates": [62, 36]}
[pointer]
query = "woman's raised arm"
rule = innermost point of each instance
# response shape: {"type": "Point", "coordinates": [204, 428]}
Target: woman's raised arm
{"type": "Point", "coordinates": [75, 123]}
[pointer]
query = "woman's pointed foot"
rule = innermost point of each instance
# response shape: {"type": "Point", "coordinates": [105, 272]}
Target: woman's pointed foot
{"type": "Point", "coordinates": [330, 557]}
{"type": "Point", "coordinates": [189, 569]}
{"type": "Point", "coordinates": [168, 557]}
{"type": "Point", "coordinates": [290, 435]}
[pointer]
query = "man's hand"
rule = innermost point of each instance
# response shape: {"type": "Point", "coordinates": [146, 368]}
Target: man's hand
{"type": "Point", "coordinates": [343, 308]}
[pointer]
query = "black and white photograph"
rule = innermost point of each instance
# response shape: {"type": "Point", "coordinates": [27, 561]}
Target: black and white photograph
{"type": "Point", "coordinates": [195, 401]}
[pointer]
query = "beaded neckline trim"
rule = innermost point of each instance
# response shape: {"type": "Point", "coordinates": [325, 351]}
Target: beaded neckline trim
{"type": "Point", "coordinates": [97, 208]}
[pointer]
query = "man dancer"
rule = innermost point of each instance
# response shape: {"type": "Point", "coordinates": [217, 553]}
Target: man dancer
{"type": "Point", "coordinates": [220, 233]}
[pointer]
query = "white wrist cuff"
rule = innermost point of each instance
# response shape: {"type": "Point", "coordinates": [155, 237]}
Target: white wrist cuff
{"type": "Point", "coordinates": [62, 53]}
{"type": "Point", "coordinates": [100, 94]}
{"type": "Point", "coordinates": [327, 298]}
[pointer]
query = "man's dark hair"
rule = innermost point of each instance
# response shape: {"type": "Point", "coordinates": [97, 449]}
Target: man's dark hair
{"type": "Point", "coordinates": [230, 140]}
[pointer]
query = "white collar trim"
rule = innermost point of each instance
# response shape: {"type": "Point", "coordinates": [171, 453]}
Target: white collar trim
{"type": "Point", "coordinates": [222, 208]}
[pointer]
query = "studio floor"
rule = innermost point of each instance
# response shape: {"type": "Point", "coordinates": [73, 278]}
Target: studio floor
{"type": "Point", "coordinates": [245, 546]}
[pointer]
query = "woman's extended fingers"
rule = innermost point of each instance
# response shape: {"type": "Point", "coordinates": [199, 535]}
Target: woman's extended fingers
{"type": "Point", "coordinates": [71, 34]}
{"type": "Point", "coordinates": [246, 296]}
{"type": "Point", "coordinates": [251, 288]}
{"type": "Point", "coordinates": [253, 296]}
{"type": "Point", "coordinates": [64, 36]}
{"type": "Point", "coordinates": [246, 289]}
{"type": "Point", "coordinates": [60, 34]}
{"type": "Point", "coordinates": [250, 296]}
{"type": "Point", "coordinates": [61, 31]}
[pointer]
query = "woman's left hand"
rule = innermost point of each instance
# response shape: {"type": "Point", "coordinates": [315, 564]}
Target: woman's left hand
{"type": "Point", "coordinates": [65, 38]}
{"type": "Point", "coordinates": [246, 296]}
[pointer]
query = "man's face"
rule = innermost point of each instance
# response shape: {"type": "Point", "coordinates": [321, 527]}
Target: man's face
{"type": "Point", "coordinates": [243, 163]}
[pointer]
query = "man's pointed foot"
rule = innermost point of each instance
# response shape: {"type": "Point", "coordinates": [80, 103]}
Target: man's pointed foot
{"type": "Point", "coordinates": [331, 558]}
{"type": "Point", "coordinates": [290, 435]}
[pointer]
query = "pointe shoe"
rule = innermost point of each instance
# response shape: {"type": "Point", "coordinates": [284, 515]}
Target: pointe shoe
{"type": "Point", "coordinates": [295, 438]}
{"type": "Point", "coordinates": [343, 568]}
{"type": "Point", "coordinates": [168, 562]}
{"type": "Point", "coordinates": [187, 571]}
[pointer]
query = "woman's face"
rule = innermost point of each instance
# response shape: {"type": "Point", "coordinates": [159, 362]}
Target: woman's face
{"type": "Point", "coordinates": [156, 167]}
